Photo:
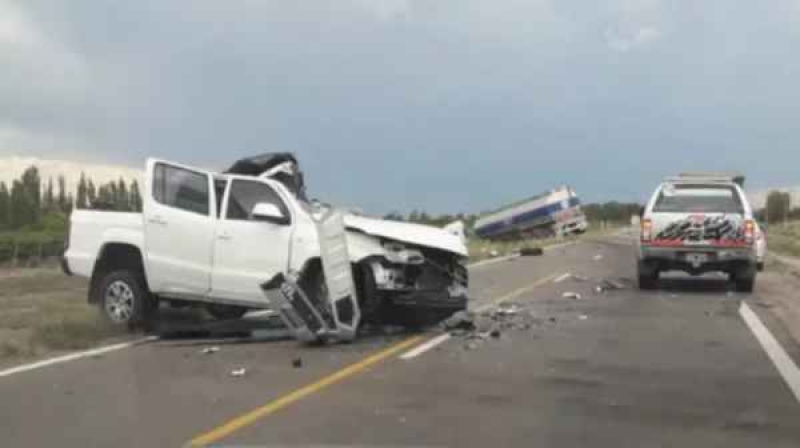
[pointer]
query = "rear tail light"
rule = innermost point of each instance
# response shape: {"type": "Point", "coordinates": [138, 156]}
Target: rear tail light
{"type": "Point", "coordinates": [749, 231]}
{"type": "Point", "coordinates": [647, 230]}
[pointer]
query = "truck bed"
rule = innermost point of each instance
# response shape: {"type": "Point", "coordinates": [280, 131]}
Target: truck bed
{"type": "Point", "coordinates": [87, 231]}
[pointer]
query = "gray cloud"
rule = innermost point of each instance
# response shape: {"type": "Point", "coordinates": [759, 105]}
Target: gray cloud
{"type": "Point", "coordinates": [448, 105]}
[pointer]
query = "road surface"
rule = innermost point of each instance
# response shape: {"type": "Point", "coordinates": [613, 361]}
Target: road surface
{"type": "Point", "coordinates": [674, 367]}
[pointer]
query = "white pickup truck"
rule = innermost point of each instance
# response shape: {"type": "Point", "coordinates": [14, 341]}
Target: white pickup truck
{"type": "Point", "coordinates": [215, 239]}
{"type": "Point", "coordinates": [698, 223]}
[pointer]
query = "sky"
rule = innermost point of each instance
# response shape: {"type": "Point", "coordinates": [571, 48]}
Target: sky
{"type": "Point", "coordinates": [443, 105]}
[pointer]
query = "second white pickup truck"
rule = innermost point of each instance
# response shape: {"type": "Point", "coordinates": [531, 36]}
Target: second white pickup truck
{"type": "Point", "coordinates": [215, 238]}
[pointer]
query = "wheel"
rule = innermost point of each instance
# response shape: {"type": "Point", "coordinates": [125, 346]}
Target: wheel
{"type": "Point", "coordinates": [124, 300]}
{"type": "Point", "coordinates": [745, 279]}
{"type": "Point", "coordinates": [648, 276]}
{"type": "Point", "coordinates": [226, 312]}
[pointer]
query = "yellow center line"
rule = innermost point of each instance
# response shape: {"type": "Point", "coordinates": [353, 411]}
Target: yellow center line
{"type": "Point", "coordinates": [253, 416]}
{"type": "Point", "coordinates": [249, 418]}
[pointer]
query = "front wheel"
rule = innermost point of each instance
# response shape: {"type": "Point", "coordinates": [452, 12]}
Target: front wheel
{"type": "Point", "coordinates": [123, 299]}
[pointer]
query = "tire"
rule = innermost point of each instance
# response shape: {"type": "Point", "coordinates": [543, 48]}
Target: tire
{"type": "Point", "coordinates": [531, 252]}
{"type": "Point", "coordinates": [745, 279]}
{"type": "Point", "coordinates": [648, 276]}
{"type": "Point", "coordinates": [123, 299]}
{"type": "Point", "coordinates": [226, 312]}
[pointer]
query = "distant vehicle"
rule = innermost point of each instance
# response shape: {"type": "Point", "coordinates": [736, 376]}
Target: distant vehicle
{"type": "Point", "coordinates": [216, 238]}
{"type": "Point", "coordinates": [557, 212]}
{"type": "Point", "coordinates": [699, 223]}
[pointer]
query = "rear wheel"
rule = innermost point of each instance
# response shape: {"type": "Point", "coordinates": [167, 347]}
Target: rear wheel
{"type": "Point", "coordinates": [124, 300]}
{"type": "Point", "coordinates": [745, 278]}
{"type": "Point", "coordinates": [648, 276]}
{"type": "Point", "coordinates": [226, 312]}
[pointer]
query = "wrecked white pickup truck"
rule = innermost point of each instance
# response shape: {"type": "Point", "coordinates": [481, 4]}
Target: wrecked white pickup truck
{"type": "Point", "coordinates": [249, 239]}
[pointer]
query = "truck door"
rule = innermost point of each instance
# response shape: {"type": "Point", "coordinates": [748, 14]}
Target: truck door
{"type": "Point", "coordinates": [249, 249]}
{"type": "Point", "coordinates": [179, 222]}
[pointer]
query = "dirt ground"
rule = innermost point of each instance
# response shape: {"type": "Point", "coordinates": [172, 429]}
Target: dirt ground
{"type": "Point", "coordinates": [779, 284]}
{"type": "Point", "coordinates": [44, 312]}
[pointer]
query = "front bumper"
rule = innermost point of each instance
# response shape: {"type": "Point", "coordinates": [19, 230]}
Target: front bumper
{"type": "Point", "coordinates": [422, 308]}
{"type": "Point", "coordinates": [432, 300]}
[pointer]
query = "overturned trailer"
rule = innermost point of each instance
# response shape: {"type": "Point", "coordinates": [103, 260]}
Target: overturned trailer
{"type": "Point", "coordinates": [553, 213]}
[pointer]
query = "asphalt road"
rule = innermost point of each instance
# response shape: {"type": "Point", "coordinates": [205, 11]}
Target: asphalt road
{"type": "Point", "coordinates": [675, 367]}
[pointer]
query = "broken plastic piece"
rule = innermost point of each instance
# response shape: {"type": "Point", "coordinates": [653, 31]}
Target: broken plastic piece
{"type": "Point", "coordinates": [571, 295]}
{"type": "Point", "coordinates": [462, 320]}
{"type": "Point", "coordinates": [583, 317]}
{"type": "Point", "coordinates": [597, 257]}
{"type": "Point", "coordinates": [239, 372]}
{"type": "Point", "coordinates": [209, 350]}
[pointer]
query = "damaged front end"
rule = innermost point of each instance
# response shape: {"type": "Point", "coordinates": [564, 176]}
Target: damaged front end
{"type": "Point", "coordinates": [414, 286]}
{"type": "Point", "coordinates": [397, 283]}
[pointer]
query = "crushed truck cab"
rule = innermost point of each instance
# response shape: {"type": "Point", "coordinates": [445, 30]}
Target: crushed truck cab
{"type": "Point", "coordinates": [221, 239]}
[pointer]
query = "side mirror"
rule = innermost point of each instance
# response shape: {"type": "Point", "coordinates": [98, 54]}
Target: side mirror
{"type": "Point", "coordinates": [264, 211]}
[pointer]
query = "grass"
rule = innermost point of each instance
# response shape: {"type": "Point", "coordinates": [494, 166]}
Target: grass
{"type": "Point", "coordinates": [784, 239]}
{"type": "Point", "coordinates": [44, 311]}
{"type": "Point", "coordinates": [482, 249]}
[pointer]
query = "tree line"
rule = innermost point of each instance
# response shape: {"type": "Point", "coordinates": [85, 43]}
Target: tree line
{"type": "Point", "coordinates": [30, 204]}
{"type": "Point", "coordinates": [779, 208]}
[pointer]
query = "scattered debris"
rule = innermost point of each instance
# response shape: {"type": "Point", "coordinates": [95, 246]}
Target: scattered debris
{"type": "Point", "coordinates": [506, 309]}
{"type": "Point", "coordinates": [579, 278]}
{"type": "Point", "coordinates": [552, 319]}
{"type": "Point", "coordinates": [494, 254]}
{"type": "Point", "coordinates": [209, 350]}
{"type": "Point", "coordinates": [495, 333]}
{"type": "Point", "coordinates": [239, 372]}
{"type": "Point", "coordinates": [462, 320]}
{"type": "Point", "coordinates": [597, 257]}
{"type": "Point", "coordinates": [571, 295]}
{"type": "Point", "coordinates": [458, 332]}
{"type": "Point", "coordinates": [583, 317]}
{"type": "Point", "coordinates": [297, 363]}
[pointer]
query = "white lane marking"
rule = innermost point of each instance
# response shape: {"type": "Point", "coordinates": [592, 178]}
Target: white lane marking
{"type": "Point", "coordinates": [422, 348]}
{"type": "Point", "coordinates": [478, 264]}
{"type": "Point", "coordinates": [562, 277]}
{"type": "Point", "coordinates": [74, 356]}
{"type": "Point", "coordinates": [783, 362]}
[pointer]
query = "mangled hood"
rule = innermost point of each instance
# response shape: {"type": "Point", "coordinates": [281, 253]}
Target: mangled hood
{"type": "Point", "coordinates": [416, 234]}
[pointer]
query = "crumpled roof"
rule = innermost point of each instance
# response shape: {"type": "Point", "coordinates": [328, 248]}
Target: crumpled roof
{"type": "Point", "coordinates": [254, 166]}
